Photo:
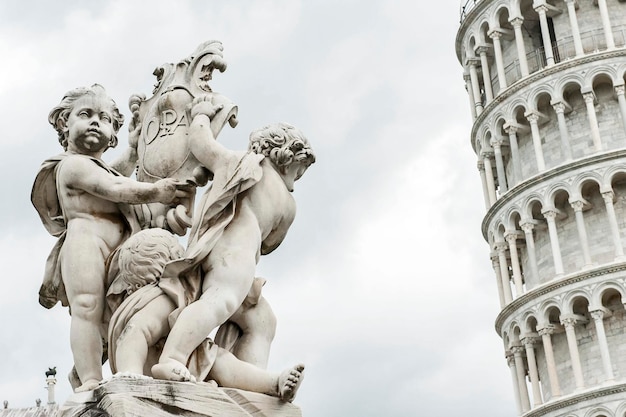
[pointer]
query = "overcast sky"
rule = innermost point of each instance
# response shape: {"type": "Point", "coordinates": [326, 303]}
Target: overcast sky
{"type": "Point", "coordinates": [383, 287]}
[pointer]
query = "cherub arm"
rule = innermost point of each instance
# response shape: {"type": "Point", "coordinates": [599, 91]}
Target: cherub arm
{"type": "Point", "coordinates": [203, 145]}
{"type": "Point", "coordinates": [82, 174]}
{"type": "Point", "coordinates": [126, 163]}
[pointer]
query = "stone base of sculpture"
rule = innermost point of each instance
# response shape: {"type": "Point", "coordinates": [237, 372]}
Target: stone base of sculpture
{"type": "Point", "coordinates": [128, 397]}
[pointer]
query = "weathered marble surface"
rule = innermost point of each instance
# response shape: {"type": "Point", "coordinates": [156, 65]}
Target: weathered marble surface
{"type": "Point", "coordinates": [125, 397]}
{"type": "Point", "coordinates": [159, 301]}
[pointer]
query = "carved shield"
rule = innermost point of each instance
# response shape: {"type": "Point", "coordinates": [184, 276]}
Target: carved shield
{"type": "Point", "coordinates": [163, 147]}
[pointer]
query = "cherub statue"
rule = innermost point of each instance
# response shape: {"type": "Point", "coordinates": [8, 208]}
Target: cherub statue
{"type": "Point", "coordinates": [85, 203]}
{"type": "Point", "coordinates": [245, 213]}
{"type": "Point", "coordinates": [141, 321]}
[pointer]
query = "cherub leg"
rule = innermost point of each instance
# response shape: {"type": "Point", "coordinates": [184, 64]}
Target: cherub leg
{"type": "Point", "coordinates": [230, 270]}
{"type": "Point", "coordinates": [258, 325]}
{"type": "Point", "coordinates": [146, 328]}
{"type": "Point", "coordinates": [83, 278]}
{"type": "Point", "coordinates": [228, 371]}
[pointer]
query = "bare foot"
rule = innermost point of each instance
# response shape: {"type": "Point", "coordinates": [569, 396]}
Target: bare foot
{"type": "Point", "coordinates": [89, 385]}
{"type": "Point", "coordinates": [289, 381]}
{"type": "Point", "coordinates": [172, 370]}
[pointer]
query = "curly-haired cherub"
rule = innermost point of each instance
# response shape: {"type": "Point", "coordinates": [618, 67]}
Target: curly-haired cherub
{"type": "Point", "coordinates": [141, 321]}
{"type": "Point", "coordinates": [85, 203]}
{"type": "Point", "coordinates": [246, 213]}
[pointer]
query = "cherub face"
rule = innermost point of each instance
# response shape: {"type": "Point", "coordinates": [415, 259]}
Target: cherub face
{"type": "Point", "coordinates": [89, 127]}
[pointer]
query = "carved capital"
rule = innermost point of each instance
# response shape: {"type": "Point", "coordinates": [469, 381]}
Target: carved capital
{"type": "Point", "coordinates": [495, 34]}
{"type": "Point", "coordinates": [511, 130]}
{"type": "Point", "coordinates": [500, 247]}
{"type": "Point", "coordinates": [511, 237]}
{"type": "Point", "coordinates": [510, 359]}
{"type": "Point", "coordinates": [597, 314]}
{"type": "Point", "coordinates": [482, 49]}
{"type": "Point", "coordinates": [529, 342]}
{"type": "Point", "coordinates": [541, 9]}
{"type": "Point", "coordinates": [496, 143]}
{"type": "Point", "coordinates": [517, 22]}
{"type": "Point", "coordinates": [589, 97]}
{"type": "Point", "coordinates": [608, 196]}
{"type": "Point", "coordinates": [569, 322]}
{"type": "Point", "coordinates": [550, 214]}
{"type": "Point", "coordinates": [619, 90]}
{"type": "Point", "coordinates": [546, 330]}
{"type": "Point", "coordinates": [527, 227]}
{"type": "Point", "coordinates": [559, 107]}
{"type": "Point", "coordinates": [486, 154]}
{"type": "Point", "coordinates": [518, 350]}
{"type": "Point", "coordinates": [577, 205]}
{"type": "Point", "coordinates": [532, 117]}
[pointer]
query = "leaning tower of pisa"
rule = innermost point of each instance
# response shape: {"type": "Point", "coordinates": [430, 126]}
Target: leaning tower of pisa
{"type": "Point", "coordinates": [545, 81]}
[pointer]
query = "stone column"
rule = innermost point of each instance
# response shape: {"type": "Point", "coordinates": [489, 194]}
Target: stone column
{"type": "Point", "coordinates": [569, 323]}
{"type": "Point", "coordinates": [470, 93]}
{"type": "Point", "coordinates": [51, 381]}
{"type": "Point", "coordinates": [484, 64]}
{"type": "Point", "coordinates": [546, 338]}
{"type": "Point", "coordinates": [478, 104]}
{"type": "Point", "coordinates": [500, 247]}
{"type": "Point", "coordinates": [608, 197]}
{"type": "Point", "coordinates": [582, 232]}
{"type": "Point", "coordinates": [533, 118]}
{"type": "Point", "coordinates": [491, 186]}
{"type": "Point", "coordinates": [598, 316]}
{"type": "Point", "coordinates": [606, 24]}
{"type": "Point", "coordinates": [517, 170]}
{"type": "Point", "coordinates": [573, 21]}
{"type": "Point", "coordinates": [495, 263]}
{"type": "Point", "coordinates": [589, 97]}
{"type": "Point", "coordinates": [550, 216]}
{"type": "Point", "coordinates": [511, 238]}
{"type": "Point", "coordinates": [559, 109]}
{"type": "Point", "coordinates": [497, 51]}
{"type": "Point", "coordinates": [619, 91]}
{"type": "Point", "coordinates": [483, 180]}
{"type": "Point", "coordinates": [519, 42]}
{"type": "Point", "coordinates": [521, 377]}
{"type": "Point", "coordinates": [545, 34]}
{"type": "Point", "coordinates": [510, 360]}
{"type": "Point", "coordinates": [532, 369]}
{"type": "Point", "coordinates": [527, 227]}
{"type": "Point", "coordinates": [496, 144]}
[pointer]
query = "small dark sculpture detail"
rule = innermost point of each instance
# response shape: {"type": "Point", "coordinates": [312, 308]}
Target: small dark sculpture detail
{"type": "Point", "coordinates": [51, 372]}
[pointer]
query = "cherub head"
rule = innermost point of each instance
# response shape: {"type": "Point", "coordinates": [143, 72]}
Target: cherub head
{"type": "Point", "coordinates": [144, 255]}
{"type": "Point", "coordinates": [63, 119]}
{"type": "Point", "coordinates": [286, 147]}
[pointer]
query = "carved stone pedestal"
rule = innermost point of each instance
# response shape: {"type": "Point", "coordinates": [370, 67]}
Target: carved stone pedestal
{"type": "Point", "coordinates": [125, 397]}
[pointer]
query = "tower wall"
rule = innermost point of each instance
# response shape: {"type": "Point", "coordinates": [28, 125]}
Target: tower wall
{"type": "Point", "coordinates": [546, 86]}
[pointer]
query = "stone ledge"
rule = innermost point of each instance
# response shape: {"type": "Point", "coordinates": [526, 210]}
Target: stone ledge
{"type": "Point", "coordinates": [126, 397]}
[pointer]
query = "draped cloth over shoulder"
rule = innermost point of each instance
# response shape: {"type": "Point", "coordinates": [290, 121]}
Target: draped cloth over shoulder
{"type": "Point", "coordinates": [182, 279]}
{"type": "Point", "coordinates": [45, 198]}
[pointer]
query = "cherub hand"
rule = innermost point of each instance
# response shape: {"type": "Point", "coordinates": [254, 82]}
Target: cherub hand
{"type": "Point", "coordinates": [170, 190]}
{"type": "Point", "coordinates": [204, 105]}
{"type": "Point", "coordinates": [134, 133]}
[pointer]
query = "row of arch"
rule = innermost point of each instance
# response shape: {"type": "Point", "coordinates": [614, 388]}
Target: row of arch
{"type": "Point", "coordinates": [551, 124]}
{"type": "Point", "coordinates": [494, 48]}
{"type": "Point", "coordinates": [545, 234]}
{"type": "Point", "coordinates": [573, 323]}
